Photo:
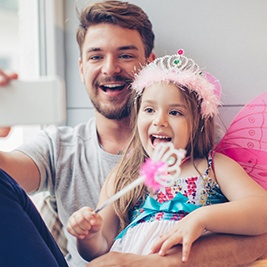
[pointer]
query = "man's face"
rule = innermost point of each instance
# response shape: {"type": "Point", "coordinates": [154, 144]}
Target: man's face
{"type": "Point", "coordinates": [110, 56]}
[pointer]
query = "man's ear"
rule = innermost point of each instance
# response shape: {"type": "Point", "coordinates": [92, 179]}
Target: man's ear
{"type": "Point", "coordinates": [151, 57]}
{"type": "Point", "coordinates": [81, 69]}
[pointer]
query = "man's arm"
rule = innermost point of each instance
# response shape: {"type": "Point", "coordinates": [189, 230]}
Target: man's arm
{"type": "Point", "coordinates": [210, 250]}
{"type": "Point", "coordinates": [18, 165]}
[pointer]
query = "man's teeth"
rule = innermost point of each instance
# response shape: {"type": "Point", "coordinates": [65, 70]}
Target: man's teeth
{"type": "Point", "coordinates": [112, 87]}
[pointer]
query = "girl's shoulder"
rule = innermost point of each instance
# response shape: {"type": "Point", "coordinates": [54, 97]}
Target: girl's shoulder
{"type": "Point", "coordinates": [221, 159]}
{"type": "Point", "coordinates": [225, 167]}
{"type": "Point", "coordinates": [199, 166]}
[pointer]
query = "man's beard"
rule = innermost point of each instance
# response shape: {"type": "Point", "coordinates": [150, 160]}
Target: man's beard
{"type": "Point", "coordinates": [114, 113]}
{"type": "Point", "coordinates": [114, 109]}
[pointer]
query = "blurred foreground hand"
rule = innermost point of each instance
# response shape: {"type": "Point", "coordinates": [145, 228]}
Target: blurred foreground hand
{"type": "Point", "coordinates": [5, 78]}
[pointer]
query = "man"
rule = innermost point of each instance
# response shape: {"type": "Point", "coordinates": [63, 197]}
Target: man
{"type": "Point", "coordinates": [115, 39]}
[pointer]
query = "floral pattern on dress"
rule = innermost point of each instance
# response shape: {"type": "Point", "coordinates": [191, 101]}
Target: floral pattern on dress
{"type": "Point", "coordinates": [200, 190]}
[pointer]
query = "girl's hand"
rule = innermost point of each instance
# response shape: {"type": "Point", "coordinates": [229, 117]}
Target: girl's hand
{"type": "Point", "coordinates": [84, 223]}
{"type": "Point", "coordinates": [185, 232]}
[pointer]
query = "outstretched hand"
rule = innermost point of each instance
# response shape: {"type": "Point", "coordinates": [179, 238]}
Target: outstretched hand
{"type": "Point", "coordinates": [184, 232]}
{"type": "Point", "coordinates": [84, 223]}
{"type": "Point", "coordinates": [5, 78]}
{"type": "Point", "coordinates": [4, 131]}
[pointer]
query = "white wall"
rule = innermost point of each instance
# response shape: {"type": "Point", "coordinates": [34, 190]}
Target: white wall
{"type": "Point", "coordinates": [227, 37]}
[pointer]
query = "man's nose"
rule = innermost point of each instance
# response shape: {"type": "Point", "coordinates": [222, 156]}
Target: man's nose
{"type": "Point", "coordinates": [110, 66]}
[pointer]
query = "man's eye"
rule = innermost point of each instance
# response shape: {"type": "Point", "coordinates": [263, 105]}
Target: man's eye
{"type": "Point", "coordinates": [96, 57]}
{"type": "Point", "coordinates": [126, 56]}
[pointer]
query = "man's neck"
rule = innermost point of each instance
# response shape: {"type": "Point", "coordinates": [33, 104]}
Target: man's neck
{"type": "Point", "coordinates": [113, 135]}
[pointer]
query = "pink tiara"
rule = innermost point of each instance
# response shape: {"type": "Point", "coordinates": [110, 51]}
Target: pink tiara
{"type": "Point", "coordinates": [182, 71]}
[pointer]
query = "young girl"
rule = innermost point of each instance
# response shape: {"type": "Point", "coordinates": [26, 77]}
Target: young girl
{"type": "Point", "coordinates": [175, 102]}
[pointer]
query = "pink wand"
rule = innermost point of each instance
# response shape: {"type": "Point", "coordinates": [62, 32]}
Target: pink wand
{"type": "Point", "coordinates": [161, 170]}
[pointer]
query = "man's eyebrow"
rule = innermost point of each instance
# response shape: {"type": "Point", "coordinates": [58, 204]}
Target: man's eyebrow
{"type": "Point", "coordinates": [93, 49]}
{"type": "Point", "coordinates": [121, 48]}
{"type": "Point", "coordinates": [128, 47]}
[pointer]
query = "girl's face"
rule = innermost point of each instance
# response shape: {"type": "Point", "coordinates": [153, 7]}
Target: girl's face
{"type": "Point", "coordinates": [163, 117]}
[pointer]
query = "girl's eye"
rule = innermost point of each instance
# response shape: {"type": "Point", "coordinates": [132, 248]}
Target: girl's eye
{"type": "Point", "coordinates": [148, 110]}
{"type": "Point", "coordinates": [175, 113]}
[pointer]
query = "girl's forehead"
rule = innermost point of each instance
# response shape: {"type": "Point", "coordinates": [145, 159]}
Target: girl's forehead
{"type": "Point", "coordinates": [163, 89]}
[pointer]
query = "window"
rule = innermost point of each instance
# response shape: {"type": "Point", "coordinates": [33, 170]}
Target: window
{"type": "Point", "coordinates": [32, 45]}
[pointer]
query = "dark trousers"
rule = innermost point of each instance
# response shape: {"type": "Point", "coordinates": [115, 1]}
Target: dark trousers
{"type": "Point", "coordinates": [24, 238]}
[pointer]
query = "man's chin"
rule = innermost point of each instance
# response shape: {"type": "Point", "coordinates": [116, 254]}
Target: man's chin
{"type": "Point", "coordinates": [114, 114]}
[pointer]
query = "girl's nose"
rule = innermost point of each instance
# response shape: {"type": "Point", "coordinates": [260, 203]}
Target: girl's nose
{"type": "Point", "coordinates": [110, 66]}
{"type": "Point", "coordinates": [160, 121]}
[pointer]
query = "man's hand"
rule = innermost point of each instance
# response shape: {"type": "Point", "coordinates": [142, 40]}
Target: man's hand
{"type": "Point", "coordinates": [4, 131]}
{"type": "Point", "coordinates": [5, 78]}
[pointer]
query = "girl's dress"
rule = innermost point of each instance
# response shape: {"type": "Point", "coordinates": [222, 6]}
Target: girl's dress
{"type": "Point", "coordinates": [158, 213]}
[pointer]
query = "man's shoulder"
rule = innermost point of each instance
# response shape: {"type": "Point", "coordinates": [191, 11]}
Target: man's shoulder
{"type": "Point", "coordinates": [69, 134]}
{"type": "Point", "coordinates": [84, 129]}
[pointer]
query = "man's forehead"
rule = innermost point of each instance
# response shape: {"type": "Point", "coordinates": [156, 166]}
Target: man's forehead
{"type": "Point", "coordinates": [106, 36]}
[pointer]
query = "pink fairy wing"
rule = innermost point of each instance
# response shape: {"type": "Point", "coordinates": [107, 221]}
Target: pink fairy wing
{"type": "Point", "coordinates": [246, 139]}
{"type": "Point", "coordinates": [253, 161]}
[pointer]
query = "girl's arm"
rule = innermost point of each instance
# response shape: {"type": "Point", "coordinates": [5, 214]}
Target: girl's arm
{"type": "Point", "coordinates": [246, 211]}
{"type": "Point", "coordinates": [244, 214]}
{"type": "Point", "coordinates": [94, 232]}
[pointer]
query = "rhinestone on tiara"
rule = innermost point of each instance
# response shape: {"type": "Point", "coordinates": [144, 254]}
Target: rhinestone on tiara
{"type": "Point", "coordinates": [183, 71]}
{"type": "Point", "coordinates": [179, 62]}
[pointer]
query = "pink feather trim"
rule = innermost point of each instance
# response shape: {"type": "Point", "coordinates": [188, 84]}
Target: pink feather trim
{"type": "Point", "coordinates": [165, 71]}
{"type": "Point", "coordinates": [151, 170]}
